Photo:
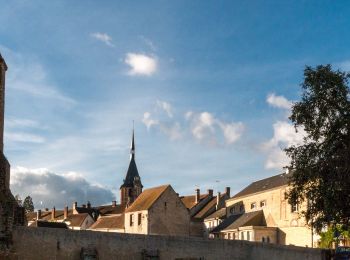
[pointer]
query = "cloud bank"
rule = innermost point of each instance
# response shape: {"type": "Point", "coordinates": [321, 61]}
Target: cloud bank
{"type": "Point", "coordinates": [50, 189]}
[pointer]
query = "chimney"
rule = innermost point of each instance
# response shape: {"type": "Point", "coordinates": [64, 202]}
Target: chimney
{"type": "Point", "coordinates": [218, 200]}
{"type": "Point", "coordinates": [38, 214]}
{"type": "Point", "coordinates": [88, 205]}
{"type": "Point", "coordinates": [84, 206]}
{"type": "Point", "coordinates": [210, 192]}
{"type": "Point", "coordinates": [114, 203]}
{"type": "Point", "coordinates": [227, 191]}
{"type": "Point", "coordinates": [75, 205]}
{"type": "Point", "coordinates": [65, 212]}
{"type": "Point", "coordinates": [53, 213]}
{"type": "Point", "coordinates": [198, 195]}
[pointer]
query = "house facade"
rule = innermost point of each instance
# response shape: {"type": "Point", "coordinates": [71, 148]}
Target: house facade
{"type": "Point", "coordinates": [158, 211]}
{"type": "Point", "coordinates": [261, 212]}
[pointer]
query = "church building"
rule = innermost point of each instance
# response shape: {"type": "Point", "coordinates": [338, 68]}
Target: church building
{"type": "Point", "coordinates": [132, 186]}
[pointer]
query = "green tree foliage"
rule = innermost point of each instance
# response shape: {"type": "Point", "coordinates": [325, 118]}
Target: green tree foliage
{"type": "Point", "coordinates": [329, 237]}
{"type": "Point", "coordinates": [28, 204]}
{"type": "Point", "coordinates": [321, 165]}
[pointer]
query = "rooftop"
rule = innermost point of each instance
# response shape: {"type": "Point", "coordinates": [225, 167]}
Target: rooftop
{"type": "Point", "coordinates": [264, 184]}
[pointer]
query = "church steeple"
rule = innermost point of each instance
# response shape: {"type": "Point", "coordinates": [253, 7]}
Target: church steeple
{"type": "Point", "coordinates": [132, 186]}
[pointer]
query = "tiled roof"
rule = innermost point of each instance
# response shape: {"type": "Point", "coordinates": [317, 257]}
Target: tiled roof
{"type": "Point", "coordinates": [76, 220]}
{"type": "Point", "coordinates": [265, 184]}
{"type": "Point", "coordinates": [109, 222]}
{"type": "Point", "coordinates": [46, 215]}
{"type": "Point", "coordinates": [209, 208]}
{"type": "Point", "coordinates": [254, 218]}
{"type": "Point", "coordinates": [147, 198]}
{"type": "Point", "coordinates": [218, 214]}
{"type": "Point", "coordinates": [110, 210]}
{"type": "Point", "coordinates": [190, 200]}
{"type": "Point", "coordinates": [48, 224]}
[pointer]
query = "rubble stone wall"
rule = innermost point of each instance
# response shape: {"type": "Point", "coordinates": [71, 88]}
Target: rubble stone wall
{"type": "Point", "coordinates": [46, 243]}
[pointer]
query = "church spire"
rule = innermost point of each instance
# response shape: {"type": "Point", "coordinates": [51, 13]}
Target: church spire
{"type": "Point", "coordinates": [132, 186]}
{"type": "Point", "coordinates": [132, 148]}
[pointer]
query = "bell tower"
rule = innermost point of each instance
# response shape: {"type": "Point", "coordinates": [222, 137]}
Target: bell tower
{"type": "Point", "coordinates": [132, 186]}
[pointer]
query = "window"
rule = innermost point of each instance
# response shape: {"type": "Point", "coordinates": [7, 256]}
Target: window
{"type": "Point", "coordinates": [248, 235]}
{"type": "Point", "coordinates": [294, 207]}
{"type": "Point", "coordinates": [263, 239]}
{"type": "Point", "coordinates": [262, 203]}
{"type": "Point", "coordinates": [139, 219]}
{"type": "Point", "coordinates": [242, 235]}
{"type": "Point", "coordinates": [241, 208]}
{"type": "Point", "coordinates": [232, 210]}
{"type": "Point", "coordinates": [164, 204]}
{"type": "Point", "coordinates": [253, 205]}
{"type": "Point", "coordinates": [229, 236]}
{"type": "Point", "coordinates": [268, 239]}
{"type": "Point", "coordinates": [131, 220]}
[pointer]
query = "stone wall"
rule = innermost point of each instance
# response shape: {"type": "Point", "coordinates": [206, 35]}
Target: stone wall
{"type": "Point", "coordinates": [46, 243]}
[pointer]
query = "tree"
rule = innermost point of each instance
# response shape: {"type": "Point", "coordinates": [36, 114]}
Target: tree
{"type": "Point", "coordinates": [28, 204]}
{"type": "Point", "coordinates": [321, 165]}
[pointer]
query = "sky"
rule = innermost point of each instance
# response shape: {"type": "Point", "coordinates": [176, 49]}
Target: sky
{"type": "Point", "coordinates": [208, 84]}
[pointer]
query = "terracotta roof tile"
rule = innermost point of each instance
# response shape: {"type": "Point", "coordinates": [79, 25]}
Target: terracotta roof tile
{"type": "Point", "coordinates": [48, 224]}
{"type": "Point", "coordinates": [109, 209]}
{"type": "Point", "coordinates": [76, 220]}
{"type": "Point", "coordinates": [109, 222]}
{"type": "Point", "coordinates": [207, 209]}
{"type": "Point", "coordinates": [190, 200]}
{"type": "Point", "coordinates": [147, 198]}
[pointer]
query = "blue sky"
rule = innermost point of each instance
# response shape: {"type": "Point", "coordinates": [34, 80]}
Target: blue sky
{"type": "Point", "coordinates": [208, 84]}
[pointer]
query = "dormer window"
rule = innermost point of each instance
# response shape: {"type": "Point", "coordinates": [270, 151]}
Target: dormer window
{"type": "Point", "coordinates": [262, 203]}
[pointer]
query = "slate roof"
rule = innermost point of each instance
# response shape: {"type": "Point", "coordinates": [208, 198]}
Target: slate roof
{"type": "Point", "coordinates": [264, 184]}
{"type": "Point", "coordinates": [132, 171]}
{"type": "Point", "coordinates": [147, 198]}
{"type": "Point", "coordinates": [218, 214]}
{"type": "Point", "coordinates": [109, 222]}
{"type": "Point", "coordinates": [190, 200]}
{"type": "Point", "coordinates": [48, 224]}
{"type": "Point", "coordinates": [209, 208]}
{"type": "Point", "coordinates": [131, 174]}
{"type": "Point", "coordinates": [228, 221]}
{"type": "Point", "coordinates": [254, 218]}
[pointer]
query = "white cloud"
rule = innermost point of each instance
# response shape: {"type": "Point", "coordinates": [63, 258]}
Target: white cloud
{"type": "Point", "coordinates": [103, 37]}
{"type": "Point", "coordinates": [56, 189]}
{"type": "Point", "coordinates": [23, 137]}
{"type": "Point", "coordinates": [148, 121]}
{"type": "Point", "coordinates": [232, 131]}
{"type": "Point", "coordinates": [206, 128]}
{"type": "Point", "coordinates": [166, 107]}
{"type": "Point", "coordinates": [278, 101]}
{"type": "Point", "coordinates": [141, 64]}
{"type": "Point", "coordinates": [284, 135]}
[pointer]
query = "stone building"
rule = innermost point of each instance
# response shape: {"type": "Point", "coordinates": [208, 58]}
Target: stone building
{"type": "Point", "coordinates": [10, 212]}
{"type": "Point", "coordinates": [201, 206]}
{"type": "Point", "coordinates": [158, 211]}
{"type": "Point", "coordinates": [261, 212]}
{"type": "Point", "coordinates": [132, 186]}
